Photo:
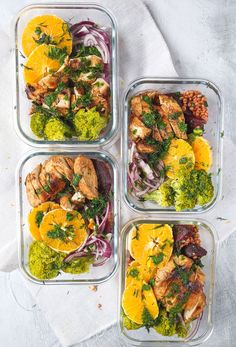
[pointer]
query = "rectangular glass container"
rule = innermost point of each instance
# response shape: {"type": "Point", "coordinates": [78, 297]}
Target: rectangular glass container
{"type": "Point", "coordinates": [213, 133]}
{"type": "Point", "coordinates": [73, 12]}
{"type": "Point", "coordinates": [96, 274]}
{"type": "Point", "coordinates": [141, 337]}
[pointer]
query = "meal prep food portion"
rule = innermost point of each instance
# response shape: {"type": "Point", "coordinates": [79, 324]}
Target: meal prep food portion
{"type": "Point", "coordinates": [164, 281]}
{"type": "Point", "coordinates": [169, 156]}
{"type": "Point", "coordinates": [67, 76]}
{"type": "Point", "coordinates": [71, 221]}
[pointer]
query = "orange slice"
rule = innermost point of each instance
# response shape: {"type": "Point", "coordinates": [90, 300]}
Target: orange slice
{"type": "Point", "coordinates": [136, 297]}
{"type": "Point", "coordinates": [203, 153]}
{"type": "Point", "coordinates": [151, 244]}
{"type": "Point", "coordinates": [46, 29]}
{"type": "Point", "coordinates": [132, 273]}
{"type": "Point", "coordinates": [36, 216]}
{"type": "Point", "coordinates": [63, 231]}
{"type": "Point", "coordinates": [179, 156]}
{"type": "Point", "coordinates": [39, 64]}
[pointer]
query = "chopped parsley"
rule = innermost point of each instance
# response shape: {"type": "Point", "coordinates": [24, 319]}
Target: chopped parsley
{"type": "Point", "coordinates": [83, 51]}
{"type": "Point", "coordinates": [205, 104]}
{"type": "Point", "coordinates": [133, 273]}
{"type": "Point", "coordinates": [175, 115]}
{"type": "Point", "coordinates": [64, 234]}
{"type": "Point", "coordinates": [57, 53]}
{"type": "Point", "coordinates": [183, 160]}
{"type": "Point", "coordinates": [38, 218]}
{"type": "Point", "coordinates": [152, 282]}
{"type": "Point", "coordinates": [182, 127]}
{"type": "Point", "coordinates": [149, 119]}
{"type": "Point", "coordinates": [147, 100]}
{"type": "Point", "coordinates": [146, 287]}
{"type": "Point", "coordinates": [69, 216]}
{"type": "Point", "coordinates": [75, 180]}
{"type": "Point", "coordinates": [95, 207]}
{"type": "Point", "coordinates": [157, 259]}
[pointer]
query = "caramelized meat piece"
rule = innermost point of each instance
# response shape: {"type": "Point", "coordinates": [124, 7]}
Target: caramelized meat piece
{"type": "Point", "coordinates": [194, 306]}
{"type": "Point", "coordinates": [175, 115]}
{"type": "Point", "coordinates": [165, 130]}
{"type": "Point", "coordinates": [194, 251]}
{"type": "Point", "coordinates": [143, 147]}
{"type": "Point", "coordinates": [138, 129]}
{"type": "Point", "coordinates": [88, 184]}
{"type": "Point", "coordinates": [100, 87]}
{"type": "Point", "coordinates": [156, 134]}
{"type": "Point", "coordinates": [139, 105]}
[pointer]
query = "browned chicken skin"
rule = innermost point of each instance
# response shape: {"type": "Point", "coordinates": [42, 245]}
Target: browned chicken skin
{"type": "Point", "coordinates": [170, 288]}
{"type": "Point", "coordinates": [88, 184]}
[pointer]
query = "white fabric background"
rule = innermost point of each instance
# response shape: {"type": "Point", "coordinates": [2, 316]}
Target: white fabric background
{"type": "Point", "coordinates": [201, 39]}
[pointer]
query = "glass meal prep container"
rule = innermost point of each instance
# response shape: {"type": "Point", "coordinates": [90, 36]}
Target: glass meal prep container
{"type": "Point", "coordinates": [74, 13]}
{"type": "Point", "coordinates": [97, 274]}
{"type": "Point", "coordinates": [213, 133]}
{"type": "Point", "coordinates": [198, 332]}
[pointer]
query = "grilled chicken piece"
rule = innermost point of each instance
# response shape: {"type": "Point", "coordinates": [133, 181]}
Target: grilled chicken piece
{"type": "Point", "coordinates": [66, 204]}
{"type": "Point", "coordinates": [62, 102]}
{"type": "Point", "coordinates": [75, 103]}
{"type": "Point", "coordinates": [174, 113]}
{"type": "Point", "coordinates": [33, 198]}
{"type": "Point", "coordinates": [88, 184]}
{"type": "Point", "coordinates": [36, 92]}
{"type": "Point", "coordinates": [165, 131]}
{"type": "Point", "coordinates": [194, 306]}
{"type": "Point", "coordinates": [170, 288]}
{"type": "Point", "coordinates": [143, 147]}
{"type": "Point", "coordinates": [139, 106]}
{"type": "Point", "coordinates": [51, 81]}
{"type": "Point", "coordinates": [138, 129]}
{"type": "Point", "coordinates": [77, 198]}
{"type": "Point", "coordinates": [102, 105]}
{"type": "Point", "coordinates": [100, 87]}
{"type": "Point", "coordinates": [60, 166]}
{"type": "Point", "coordinates": [156, 134]}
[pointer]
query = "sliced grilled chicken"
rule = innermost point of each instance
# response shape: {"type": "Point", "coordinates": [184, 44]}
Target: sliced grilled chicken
{"type": "Point", "coordinates": [51, 81]}
{"type": "Point", "coordinates": [88, 184]}
{"type": "Point", "coordinates": [156, 134]}
{"type": "Point", "coordinates": [175, 115]}
{"type": "Point", "coordinates": [36, 92]}
{"type": "Point", "coordinates": [102, 105]}
{"type": "Point", "coordinates": [40, 189]}
{"type": "Point", "coordinates": [143, 147]}
{"type": "Point", "coordinates": [100, 87]}
{"type": "Point", "coordinates": [139, 106]}
{"type": "Point", "coordinates": [138, 129]}
{"type": "Point", "coordinates": [66, 203]}
{"type": "Point", "coordinates": [59, 165]}
{"type": "Point", "coordinates": [165, 130]}
{"type": "Point", "coordinates": [33, 198]}
{"type": "Point", "coordinates": [194, 306]}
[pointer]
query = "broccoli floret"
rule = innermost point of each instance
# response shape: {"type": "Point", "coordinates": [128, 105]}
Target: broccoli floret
{"type": "Point", "coordinates": [164, 196]}
{"type": "Point", "coordinates": [89, 124]}
{"type": "Point", "coordinates": [37, 124]}
{"type": "Point", "coordinates": [129, 324]}
{"type": "Point", "coordinates": [181, 330]}
{"type": "Point", "coordinates": [56, 130]}
{"type": "Point", "coordinates": [193, 188]}
{"type": "Point", "coordinates": [165, 326]}
{"type": "Point", "coordinates": [205, 189]}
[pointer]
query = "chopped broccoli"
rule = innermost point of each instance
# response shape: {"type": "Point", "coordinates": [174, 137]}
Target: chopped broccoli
{"type": "Point", "coordinates": [165, 326]}
{"type": "Point", "coordinates": [89, 124]}
{"type": "Point", "coordinates": [129, 324]}
{"type": "Point", "coordinates": [187, 190]}
{"type": "Point", "coordinates": [164, 196]}
{"type": "Point", "coordinates": [56, 130]}
{"type": "Point", "coordinates": [181, 330]}
{"type": "Point", "coordinates": [37, 124]}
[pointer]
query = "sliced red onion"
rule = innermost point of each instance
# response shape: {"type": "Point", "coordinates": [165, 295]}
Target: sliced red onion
{"type": "Point", "coordinates": [102, 225]}
{"type": "Point", "coordinates": [193, 333]}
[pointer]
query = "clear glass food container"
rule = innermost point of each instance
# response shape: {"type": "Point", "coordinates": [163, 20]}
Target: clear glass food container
{"type": "Point", "coordinates": [198, 332]}
{"type": "Point", "coordinates": [96, 274]}
{"type": "Point", "coordinates": [213, 133]}
{"type": "Point", "coordinates": [73, 12]}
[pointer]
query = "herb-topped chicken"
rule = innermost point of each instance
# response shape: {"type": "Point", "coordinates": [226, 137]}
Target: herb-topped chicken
{"type": "Point", "coordinates": [169, 158]}
{"type": "Point", "coordinates": [72, 216]}
{"type": "Point", "coordinates": [164, 281]}
{"type": "Point", "coordinates": [68, 83]}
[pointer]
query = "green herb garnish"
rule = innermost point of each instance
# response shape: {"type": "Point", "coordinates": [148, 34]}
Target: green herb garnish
{"type": "Point", "coordinates": [38, 218]}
